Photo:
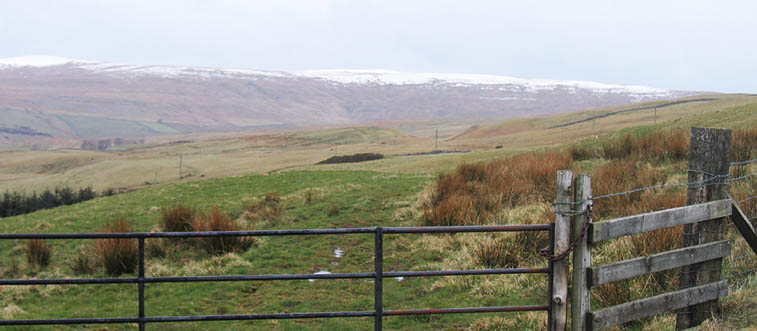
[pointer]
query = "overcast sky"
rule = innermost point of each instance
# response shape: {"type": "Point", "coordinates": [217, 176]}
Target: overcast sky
{"type": "Point", "coordinates": [692, 45]}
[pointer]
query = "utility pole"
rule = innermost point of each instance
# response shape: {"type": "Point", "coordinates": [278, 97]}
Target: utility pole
{"type": "Point", "coordinates": [655, 115]}
{"type": "Point", "coordinates": [436, 140]}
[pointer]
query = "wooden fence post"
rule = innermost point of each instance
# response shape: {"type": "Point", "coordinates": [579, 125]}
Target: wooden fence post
{"type": "Point", "coordinates": [580, 297]}
{"type": "Point", "coordinates": [709, 157]}
{"type": "Point", "coordinates": [558, 304]}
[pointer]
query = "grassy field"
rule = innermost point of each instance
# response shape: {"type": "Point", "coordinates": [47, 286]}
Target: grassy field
{"type": "Point", "coordinates": [360, 198]}
{"type": "Point", "coordinates": [233, 173]}
{"type": "Point", "coordinates": [211, 156]}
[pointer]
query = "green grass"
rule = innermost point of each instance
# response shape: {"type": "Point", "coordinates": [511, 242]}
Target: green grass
{"type": "Point", "coordinates": [382, 192]}
{"type": "Point", "coordinates": [364, 199]}
{"type": "Point", "coordinates": [343, 136]}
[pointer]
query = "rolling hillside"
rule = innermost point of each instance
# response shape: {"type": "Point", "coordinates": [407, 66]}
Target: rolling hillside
{"type": "Point", "coordinates": [48, 97]}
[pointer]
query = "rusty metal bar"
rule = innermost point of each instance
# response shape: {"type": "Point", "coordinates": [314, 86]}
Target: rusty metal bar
{"type": "Point", "coordinates": [464, 310]}
{"type": "Point", "coordinates": [466, 272]}
{"type": "Point", "coordinates": [471, 228]}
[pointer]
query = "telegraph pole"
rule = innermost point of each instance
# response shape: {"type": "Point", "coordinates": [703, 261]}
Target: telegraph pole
{"type": "Point", "coordinates": [436, 140]}
{"type": "Point", "coordinates": [655, 115]}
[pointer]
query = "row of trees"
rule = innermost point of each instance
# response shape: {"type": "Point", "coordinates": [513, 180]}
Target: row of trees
{"type": "Point", "coordinates": [15, 203]}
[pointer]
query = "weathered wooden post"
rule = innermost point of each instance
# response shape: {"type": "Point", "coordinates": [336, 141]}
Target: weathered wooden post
{"type": "Point", "coordinates": [709, 162]}
{"type": "Point", "coordinates": [580, 297]}
{"type": "Point", "coordinates": [559, 301]}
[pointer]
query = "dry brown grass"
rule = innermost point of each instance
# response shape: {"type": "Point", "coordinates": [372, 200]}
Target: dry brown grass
{"type": "Point", "coordinates": [38, 252]}
{"type": "Point", "coordinates": [118, 255]}
{"type": "Point", "coordinates": [625, 175]}
{"type": "Point", "coordinates": [82, 263]}
{"type": "Point", "coordinates": [744, 144]}
{"type": "Point", "coordinates": [475, 193]}
{"type": "Point", "coordinates": [656, 145]}
{"type": "Point", "coordinates": [218, 221]}
{"type": "Point", "coordinates": [178, 218]}
{"type": "Point", "coordinates": [494, 252]}
{"type": "Point", "coordinates": [268, 209]}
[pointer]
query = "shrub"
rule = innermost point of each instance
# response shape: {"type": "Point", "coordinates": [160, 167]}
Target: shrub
{"type": "Point", "coordinates": [177, 218]}
{"type": "Point", "coordinates": [12, 204]}
{"type": "Point", "coordinates": [118, 255]}
{"type": "Point", "coordinates": [38, 252]}
{"type": "Point", "coordinates": [360, 157]}
{"type": "Point", "coordinates": [217, 221]}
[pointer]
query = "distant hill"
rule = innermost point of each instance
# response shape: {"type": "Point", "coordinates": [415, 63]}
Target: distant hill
{"type": "Point", "coordinates": [43, 97]}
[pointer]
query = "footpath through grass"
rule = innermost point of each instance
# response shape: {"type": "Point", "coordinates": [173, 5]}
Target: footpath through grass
{"type": "Point", "coordinates": [336, 199]}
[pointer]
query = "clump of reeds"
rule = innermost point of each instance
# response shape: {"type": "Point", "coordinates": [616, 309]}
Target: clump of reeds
{"type": "Point", "coordinates": [655, 145]}
{"type": "Point", "coordinates": [475, 193]}
{"type": "Point", "coordinates": [118, 255]}
{"type": "Point", "coordinates": [178, 218]}
{"type": "Point", "coordinates": [38, 252]}
{"type": "Point", "coordinates": [218, 221]}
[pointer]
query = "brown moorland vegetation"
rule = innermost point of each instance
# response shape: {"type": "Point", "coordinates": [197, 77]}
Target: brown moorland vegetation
{"type": "Point", "coordinates": [476, 193]}
{"type": "Point", "coordinates": [118, 255]}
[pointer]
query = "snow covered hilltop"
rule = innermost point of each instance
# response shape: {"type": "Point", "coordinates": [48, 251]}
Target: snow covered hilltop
{"type": "Point", "coordinates": [60, 97]}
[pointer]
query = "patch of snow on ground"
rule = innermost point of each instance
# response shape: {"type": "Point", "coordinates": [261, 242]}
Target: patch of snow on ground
{"type": "Point", "coordinates": [338, 252]}
{"type": "Point", "coordinates": [388, 77]}
{"type": "Point", "coordinates": [36, 61]}
{"type": "Point", "coordinates": [322, 272]}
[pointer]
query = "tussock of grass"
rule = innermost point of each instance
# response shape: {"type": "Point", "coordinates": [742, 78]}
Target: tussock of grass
{"type": "Point", "coordinates": [218, 221]}
{"type": "Point", "coordinates": [737, 308]}
{"type": "Point", "coordinates": [519, 321]}
{"type": "Point", "coordinates": [178, 218]}
{"type": "Point", "coordinates": [268, 209]}
{"type": "Point", "coordinates": [475, 193]}
{"type": "Point", "coordinates": [744, 144]}
{"type": "Point", "coordinates": [82, 263]}
{"type": "Point", "coordinates": [9, 311]}
{"type": "Point", "coordinates": [497, 253]}
{"type": "Point", "coordinates": [38, 252]}
{"type": "Point", "coordinates": [118, 255]}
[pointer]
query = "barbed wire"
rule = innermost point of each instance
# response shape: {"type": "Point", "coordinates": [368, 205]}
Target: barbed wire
{"type": "Point", "coordinates": [741, 163]}
{"type": "Point", "coordinates": [742, 177]}
{"type": "Point", "coordinates": [695, 184]}
{"type": "Point", "coordinates": [747, 199]}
